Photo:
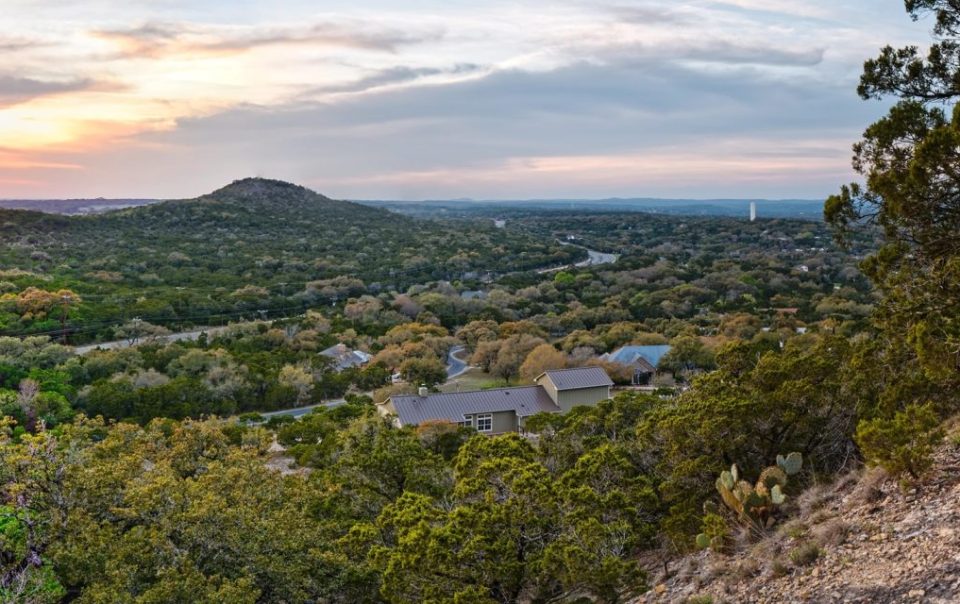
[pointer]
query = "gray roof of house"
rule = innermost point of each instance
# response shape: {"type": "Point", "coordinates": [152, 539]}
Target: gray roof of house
{"type": "Point", "coordinates": [628, 355]}
{"type": "Point", "coordinates": [581, 377]}
{"type": "Point", "coordinates": [345, 357]}
{"type": "Point", "coordinates": [453, 406]}
{"type": "Point", "coordinates": [644, 365]}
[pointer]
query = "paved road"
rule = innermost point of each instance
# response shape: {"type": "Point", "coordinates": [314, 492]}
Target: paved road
{"type": "Point", "coordinates": [298, 412]}
{"type": "Point", "coordinates": [598, 258]}
{"type": "Point", "coordinates": [455, 365]}
{"type": "Point", "coordinates": [182, 336]}
{"type": "Point", "coordinates": [594, 258]}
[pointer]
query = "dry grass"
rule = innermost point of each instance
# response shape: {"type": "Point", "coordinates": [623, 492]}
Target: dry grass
{"type": "Point", "coordinates": [869, 488]}
{"type": "Point", "coordinates": [746, 569]}
{"type": "Point", "coordinates": [779, 568]}
{"type": "Point", "coordinates": [804, 554]}
{"type": "Point", "coordinates": [831, 533]}
{"type": "Point", "coordinates": [794, 528]}
{"type": "Point", "coordinates": [815, 498]}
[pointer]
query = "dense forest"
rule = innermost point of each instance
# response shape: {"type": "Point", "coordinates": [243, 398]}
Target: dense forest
{"type": "Point", "coordinates": [798, 350]}
{"type": "Point", "coordinates": [250, 249]}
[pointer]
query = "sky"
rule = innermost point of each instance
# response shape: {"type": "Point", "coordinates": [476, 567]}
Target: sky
{"type": "Point", "coordinates": [438, 99]}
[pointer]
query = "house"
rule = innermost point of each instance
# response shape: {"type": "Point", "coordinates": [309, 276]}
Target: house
{"type": "Point", "coordinates": [643, 359]}
{"type": "Point", "coordinates": [501, 410]}
{"type": "Point", "coordinates": [345, 358]}
{"type": "Point", "coordinates": [569, 388]}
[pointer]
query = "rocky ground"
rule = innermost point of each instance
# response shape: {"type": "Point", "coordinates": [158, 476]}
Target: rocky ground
{"type": "Point", "coordinates": [862, 539]}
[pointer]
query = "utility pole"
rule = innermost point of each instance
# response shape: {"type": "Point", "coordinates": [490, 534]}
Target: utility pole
{"type": "Point", "coordinates": [65, 299]}
{"type": "Point", "coordinates": [136, 330]}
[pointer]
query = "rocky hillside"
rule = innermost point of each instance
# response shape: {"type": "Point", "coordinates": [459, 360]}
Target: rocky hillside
{"type": "Point", "coordinates": [863, 539]}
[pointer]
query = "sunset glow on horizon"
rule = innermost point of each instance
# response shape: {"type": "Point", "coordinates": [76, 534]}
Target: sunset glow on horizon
{"type": "Point", "coordinates": [430, 99]}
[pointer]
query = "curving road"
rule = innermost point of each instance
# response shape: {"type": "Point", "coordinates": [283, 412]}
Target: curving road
{"type": "Point", "coordinates": [594, 258]}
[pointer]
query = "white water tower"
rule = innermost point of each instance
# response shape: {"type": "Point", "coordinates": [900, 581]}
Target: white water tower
{"type": "Point", "coordinates": [753, 211]}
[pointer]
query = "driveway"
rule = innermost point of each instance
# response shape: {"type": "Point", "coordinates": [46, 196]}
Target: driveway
{"type": "Point", "coordinates": [455, 367]}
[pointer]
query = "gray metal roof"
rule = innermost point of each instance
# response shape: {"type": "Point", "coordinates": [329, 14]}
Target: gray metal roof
{"type": "Point", "coordinates": [628, 355]}
{"type": "Point", "coordinates": [453, 406]}
{"type": "Point", "coordinates": [580, 377]}
{"type": "Point", "coordinates": [344, 357]}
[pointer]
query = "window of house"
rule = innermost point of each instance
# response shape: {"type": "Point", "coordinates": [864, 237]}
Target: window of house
{"type": "Point", "coordinates": [467, 421]}
{"type": "Point", "coordinates": [485, 422]}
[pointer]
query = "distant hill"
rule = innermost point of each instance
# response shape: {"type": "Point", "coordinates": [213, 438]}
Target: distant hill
{"type": "Point", "coordinates": [766, 208]}
{"type": "Point", "coordinates": [769, 208]}
{"type": "Point", "coordinates": [73, 206]}
{"type": "Point", "coordinates": [190, 259]}
{"type": "Point", "coordinates": [262, 231]}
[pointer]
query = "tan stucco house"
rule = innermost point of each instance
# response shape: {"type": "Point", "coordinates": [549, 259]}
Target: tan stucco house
{"type": "Point", "coordinates": [502, 410]}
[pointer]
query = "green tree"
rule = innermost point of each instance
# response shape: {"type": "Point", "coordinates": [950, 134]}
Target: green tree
{"type": "Point", "coordinates": [423, 371]}
{"type": "Point", "coordinates": [903, 444]}
{"type": "Point", "coordinates": [687, 353]}
{"type": "Point", "coordinates": [489, 547]}
{"type": "Point", "coordinates": [908, 160]}
{"type": "Point", "coordinates": [374, 464]}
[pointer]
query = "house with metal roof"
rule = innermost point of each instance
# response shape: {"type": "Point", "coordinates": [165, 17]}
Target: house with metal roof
{"type": "Point", "coordinates": [344, 358]}
{"type": "Point", "coordinates": [501, 410]}
{"type": "Point", "coordinates": [643, 359]}
{"type": "Point", "coordinates": [569, 388]}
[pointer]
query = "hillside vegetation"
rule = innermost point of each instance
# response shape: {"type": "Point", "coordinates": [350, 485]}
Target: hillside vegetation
{"type": "Point", "coordinates": [251, 246]}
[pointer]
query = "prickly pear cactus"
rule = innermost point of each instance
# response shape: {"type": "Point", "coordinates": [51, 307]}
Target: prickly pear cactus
{"type": "Point", "coordinates": [757, 503]}
{"type": "Point", "coordinates": [791, 464]}
{"type": "Point", "coordinates": [772, 476]}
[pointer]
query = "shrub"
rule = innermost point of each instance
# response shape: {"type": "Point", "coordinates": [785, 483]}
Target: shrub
{"type": "Point", "coordinates": [903, 444]}
{"type": "Point", "coordinates": [716, 533]}
{"type": "Point", "coordinates": [778, 569]}
{"type": "Point", "coordinates": [805, 553]}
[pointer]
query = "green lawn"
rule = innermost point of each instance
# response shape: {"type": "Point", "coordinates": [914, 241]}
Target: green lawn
{"type": "Point", "coordinates": [473, 379]}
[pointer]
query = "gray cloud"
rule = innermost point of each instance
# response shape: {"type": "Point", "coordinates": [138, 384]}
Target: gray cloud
{"type": "Point", "coordinates": [393, 75]}
{"type": "Point", "coordinates": [580, 110]}
{"type": "Point", "coordinates": [18, 44]}
{"type": "Point", "coordinates": [714, 51]}
{"type": "Point", "coordinates": [648, 15]}
{"type": "Point", "coordinates": [385, 40]}
{"type": "Point", "coordinates": [158, 39]}
{"type": "Point", "coordinates": [719, 51]}
{"type": "Point", "coordinates": [14, 89]}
